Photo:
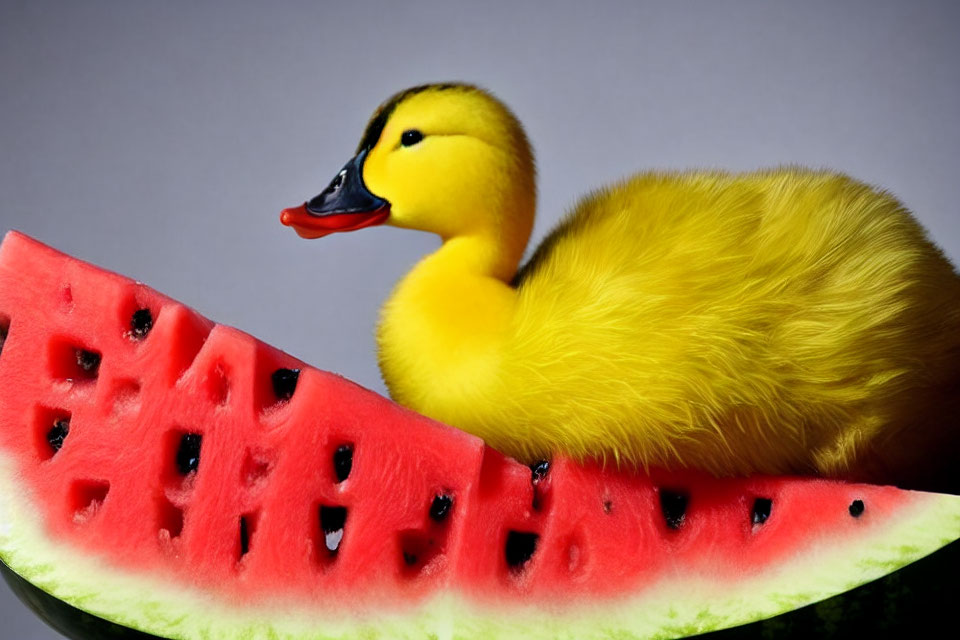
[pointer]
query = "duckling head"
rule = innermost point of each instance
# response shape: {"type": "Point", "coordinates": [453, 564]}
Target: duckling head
{"type": "Point", "coordinates": [444, 158]}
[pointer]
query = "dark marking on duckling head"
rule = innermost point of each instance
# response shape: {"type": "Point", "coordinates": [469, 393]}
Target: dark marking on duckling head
{"type": "Point", "coordinates": [378, 121]}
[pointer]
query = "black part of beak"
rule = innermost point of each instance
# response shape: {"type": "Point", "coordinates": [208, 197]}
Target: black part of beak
{"type": "Point", "coordinates": [346, 193]}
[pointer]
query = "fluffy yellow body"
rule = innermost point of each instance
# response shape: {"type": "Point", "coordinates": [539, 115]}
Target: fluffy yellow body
{"type": "Point", "coordinates": [783, 321]}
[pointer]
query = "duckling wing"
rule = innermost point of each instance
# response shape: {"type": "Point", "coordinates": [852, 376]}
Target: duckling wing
{"type": "Point", "coordinates": [778, 321]}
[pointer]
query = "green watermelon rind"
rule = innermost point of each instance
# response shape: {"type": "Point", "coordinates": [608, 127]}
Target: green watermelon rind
{"type": "Point", "coordinates": [678, 605]}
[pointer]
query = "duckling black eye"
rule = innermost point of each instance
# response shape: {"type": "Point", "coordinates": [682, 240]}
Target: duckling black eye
{"type": "Point", "coordinates": [410, 137]}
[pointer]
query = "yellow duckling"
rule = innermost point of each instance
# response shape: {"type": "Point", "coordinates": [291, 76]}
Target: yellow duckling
{"type": "Point", "coordinates": [783, 321]}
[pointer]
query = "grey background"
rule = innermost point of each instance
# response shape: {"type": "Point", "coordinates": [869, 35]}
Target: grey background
{"type": "Point", "coordinates": [161, 139]}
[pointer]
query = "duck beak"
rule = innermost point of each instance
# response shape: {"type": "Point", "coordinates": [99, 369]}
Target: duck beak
{"type": "Point", "coordinates": [345, 205]}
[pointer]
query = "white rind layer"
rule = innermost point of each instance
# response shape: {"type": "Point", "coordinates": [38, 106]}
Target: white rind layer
{"type": "Point", "coordinates": [678, 605]}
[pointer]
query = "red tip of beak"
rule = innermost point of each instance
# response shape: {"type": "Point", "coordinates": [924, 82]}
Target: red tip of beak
{"type": "Point", "coordinates": [308, 225]}
{"type": "Point", "coordinates": [299, 219]}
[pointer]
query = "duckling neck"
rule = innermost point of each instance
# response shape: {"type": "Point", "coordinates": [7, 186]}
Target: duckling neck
{"type": "Point", "coordinates": [441, 331]}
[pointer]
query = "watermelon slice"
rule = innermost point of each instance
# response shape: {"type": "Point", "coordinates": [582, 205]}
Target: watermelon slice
{"type": "Point", "coordinates": [183, 479]}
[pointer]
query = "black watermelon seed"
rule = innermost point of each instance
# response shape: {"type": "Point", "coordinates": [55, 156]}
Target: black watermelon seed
{"type": "Point", "coordinates": [409, 559]}
{"type": "Point", "coordinates": [440, 507]}
{"type": "Point", "coordinates": [4, 328]}
{"type": "Point", "coordinates": [761, 510]}
{"type": "Point", "coordinates": [285, 382]}
{"type": "Point", "coordinates": [332, 521]}
{"type": "Point", "coordinates": [343, 461]}
{"type": "Point", "coordinates": [188, 454]}
{"type": "Point", "coordinates": [244, 537]}
{"type": "Point", "coordinates": [57, 434]}
{"type": "Point", "coordinates": [538, 470]}
{"type": "Point", "coordinates": [608, 506]}
{"type": "Point", "coordinates": [674, 507]}
{"type": "Point", "coordinates": [519, 548]}
{"type": "Point", "coordinates": [140, 323]}
{"type": "Point", "coordinates": [856, 508]}
{"type": "Point", "coordinates": [89, 361]}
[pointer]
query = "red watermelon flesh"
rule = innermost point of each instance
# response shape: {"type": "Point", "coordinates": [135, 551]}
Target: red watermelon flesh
{"type": "Point", "coordinates": [144, 439]}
